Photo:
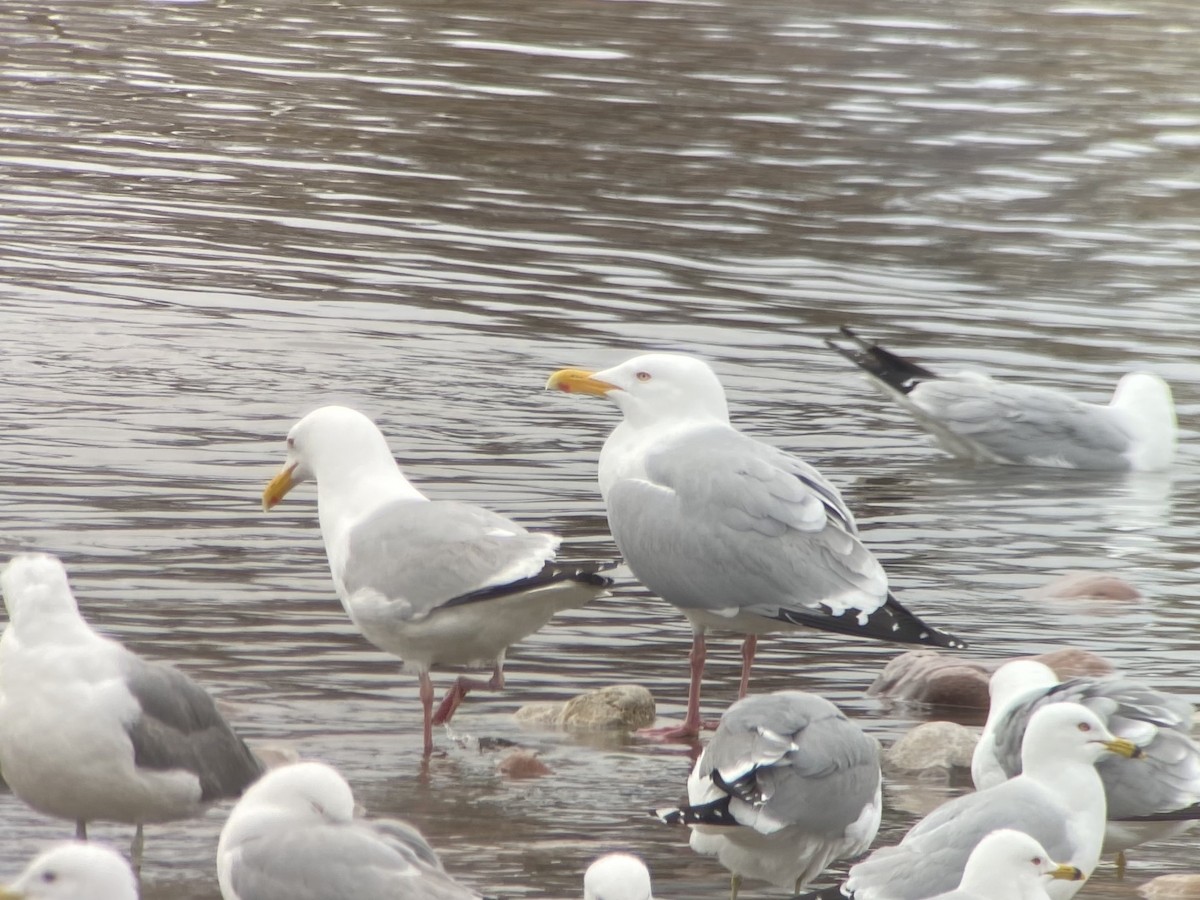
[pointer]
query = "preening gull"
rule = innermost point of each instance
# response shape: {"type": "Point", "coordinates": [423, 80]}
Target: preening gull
{"type": "Point", "coordinates": [293, 835]}
{"type": "Point", "coordinates": [75, 871]}
{"type": "Point", "coordinates": [974, 417]}
{"type": "Point", "coordinates": [786, 786]}
{"type": "Point", "coordinates": [1166, 786]}
{"type": "Point", "coordinates": [617, 876]}
{"type": "Point", "coordinates": [1009, 865]}
{"type": "Point", "coordinates": [94, 732]}
{"type": "Point", "coordinates": [735, 533]}
{"type": "Point", "coordinates": [1058, 800]}
{"type": "Point", "coordinates": [432, 582]}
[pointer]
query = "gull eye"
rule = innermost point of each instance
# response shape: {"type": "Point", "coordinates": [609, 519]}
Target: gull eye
{"type": "Point", "coordinates": [1037, 860]}
{"type": "Point", "coordinates": [49, 877]}
{"type": "Point", "coordinates": [1084, 726]}
{"type": "Point", "coordinates": [291, 443]}
{"type": "Point", "coordinates": [643, 376]}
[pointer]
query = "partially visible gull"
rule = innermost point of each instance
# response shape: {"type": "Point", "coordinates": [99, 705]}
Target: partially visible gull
{"type": "Point", "coordinates": [94, 732]}
{"type": "Point", "coordinates": [786, 786]}
{"type": "Point", "coordinates": [432, 582]}
{"type": "Point", "coordinates": [974, 417]}
{"type": "Point", "coordinates": [1009, 865]}
{"type": "Point", "coordinates": [293, 835]}
{"type": "Point", "coordinates": [75, 871]}
{"type": "Point", "coordinates": [735, 533]}
{"type": "Point", "coordinates": [1058, 800]}
{"type": "Point", "coordinates": [1166, 787]}
{"type": "Point", "coordinates": [617, 876]}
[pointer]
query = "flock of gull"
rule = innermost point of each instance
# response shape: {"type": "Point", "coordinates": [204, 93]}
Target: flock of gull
{"type": "Point", "coordinates": [738, 536]}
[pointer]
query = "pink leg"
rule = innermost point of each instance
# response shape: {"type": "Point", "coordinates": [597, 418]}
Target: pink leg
{"type": "Point", "coordinates": [690, 729]}
{"type": "Point", "coordinates": [427, 707]}
{"type": "Point", "coordinates": [749, 645]}
{"type": "Point", "coordinates": [459, 689]}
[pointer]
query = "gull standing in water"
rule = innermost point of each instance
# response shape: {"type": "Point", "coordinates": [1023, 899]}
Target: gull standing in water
{"type": "Point", "coordinates": [974, 417]}
{"type": "Point", "coordinates": [93, 732]}
{"type": "Point", "coordinates": [736, 534]}
{"type": "Point", "coordinates": [433, 582]}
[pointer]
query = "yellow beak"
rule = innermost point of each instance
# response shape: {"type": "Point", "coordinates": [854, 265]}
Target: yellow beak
{"type": "Point", "coordinates": [1125, 748]}
{"type": "Point", "coordinates": [578, 381]}
{"type": "Point", "coordinates": [275, 491]}
{"type": "Point", "coordinates": [1068, 873]}
{"type": "Point", "coordinates": [9, 894]}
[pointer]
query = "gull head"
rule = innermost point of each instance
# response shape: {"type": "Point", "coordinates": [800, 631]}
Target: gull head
{"type": "Point", "coordinates": [617, 876]}
{"type": "Point", "coordinates": [1015, 679]}
{"type": "Point", "coordinates": [36, 583]}
{"type": "Point", "coordinates": [653, 388]}
{"type": "Point", "coordinates": [1069, 732]}
{"type": "Point", "coordinates": [327, 443]}
{"type": "Point", "coordinates": [1010, 856]}
{"type": "Point", "coordinates": [74, 871]}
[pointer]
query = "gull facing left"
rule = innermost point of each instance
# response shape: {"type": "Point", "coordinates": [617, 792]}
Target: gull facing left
{"type": "Point", "coordinates": [74, 871]}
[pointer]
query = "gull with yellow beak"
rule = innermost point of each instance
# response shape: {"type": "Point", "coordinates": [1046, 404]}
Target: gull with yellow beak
{"type": "Point", "coordinates": [1058, 800]}
{"type": "Point", "coordinates": [1009, 865]}
{"type": "Point", "coordinates": [736, 534]}
{"type": "Point", "coordinates": [433, 582]}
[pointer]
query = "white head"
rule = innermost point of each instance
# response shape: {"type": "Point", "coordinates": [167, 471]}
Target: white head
{"type": "Point", "coordinates": [617, 876]}
{"type": "Point", "coordinates": [651, 389]}
{"type": "Point", "coordinates": [75, 871]}
{"type": "Point", "coordinates": [1014, 858]}
{"type": "Point", "coordinates": [1068, 732]}
{"type": "Point", "coordinates": [336, 446]}
{"type": "Point", "coordinates": [1147, 402]}
{"type": "Point", "coordinates": [1014, 680]}
{"type": "Point", "coordinates": [36, 589]}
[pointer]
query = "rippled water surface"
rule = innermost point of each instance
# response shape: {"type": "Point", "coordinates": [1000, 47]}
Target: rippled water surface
{"type": "Point", "coordinates": [215, 216]}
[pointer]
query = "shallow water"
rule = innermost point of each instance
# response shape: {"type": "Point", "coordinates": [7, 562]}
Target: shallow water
{"type": "Point", "coordinates": [215, 216]}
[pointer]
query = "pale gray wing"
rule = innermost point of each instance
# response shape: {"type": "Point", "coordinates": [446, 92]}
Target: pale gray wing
{"type": "Point", "coordinates": [1021, 423]}
{"type": "Point", "coordinates": [337, 861]}
{"type": "Point", "coordinates": [425, 554]}
{"type": "Point", "coordinates": [792, 758]}
{"type": "Point", "coordinates": [1167, 779]}
{"type": "Point", "coordinates": [179, 727]}
{"type": "Point", "coordinates": [931, 857]}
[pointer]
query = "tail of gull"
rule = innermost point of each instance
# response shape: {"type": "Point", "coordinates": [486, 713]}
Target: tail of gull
{"type": "Point", "coordinates": [714, 813]}
{"type": "Point", "coordinates": [895, 371]}
{"type": "Point", "coordinates": [587, 574]}
{"type": "Point", "coordinates": [891, 622]}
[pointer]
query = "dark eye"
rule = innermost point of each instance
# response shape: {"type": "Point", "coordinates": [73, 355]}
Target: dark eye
{"type": "Point", "coordinates": [1037, 860]}
{"type": "Point", "coordinates": [1084, 726]}
{"type": "Point", "coordinates": [643, 376]}
{"type": "Point", "coordinates": [291, 443]}
{"type": "Point", "coordinates": [49, 877]}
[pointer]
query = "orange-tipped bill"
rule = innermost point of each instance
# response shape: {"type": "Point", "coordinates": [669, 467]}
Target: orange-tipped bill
{"type": "Point", "coordinates": [578, 381]}
{"type": "Point", "coordinates": [278, 487]}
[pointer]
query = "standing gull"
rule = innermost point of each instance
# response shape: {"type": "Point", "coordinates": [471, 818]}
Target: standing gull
{"type": "Point", "coordinates": [94, 732]}
{"type": "Point", "coordinates": [976, 418]}
{"type": "Point", "coordinates": [1009, 865]}
{"type": "Point", "coordinates": [1166, 787]}
{"type": "Point", "coordinates": [786, 786]}
{"type": "Point", "coordinates": [432, 582]}
{"type": "Point", "coordinates": [735, 533]}
{"type": "Point", "coordinates": [294, 836]}
{"type": "Point", "coordinates": [75, 871]}
{"type": "Point", "coordinates": [617, 876]}
{"type": "Point", "coordinates": [1058, 800]}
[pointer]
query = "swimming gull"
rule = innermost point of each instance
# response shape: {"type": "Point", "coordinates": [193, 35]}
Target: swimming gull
{"type": "Point", "coordinates": [1009, 865]}
{"type": "Point", "coordinates": [1058, 800]}
{"type": "Point", "coordinates": [94, 732]}
{"type": "Point", "coordinates": [74, 871]}
{"type": "Point", "coordinates": [974, 417]}
{"type": "Point", "coordinates": [617, 876]}
{"type": "Point", "coordinates": [1166, 787]}
{"type": "Point", "coordinates": [786, 786]}
{"type": "Point", "coordinates": [735, 533]}
{"type": "Point", "coordinates": [293, 834]}
{"type": "Point", "coordinates": [433, 582]}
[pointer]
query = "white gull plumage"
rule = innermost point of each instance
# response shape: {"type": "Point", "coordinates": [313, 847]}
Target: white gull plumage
{"type": "Point", "coordinates": [1009, 865]}
{"type": "Point", "coordinates": [735, 533]}
{"type": "Point", "coordinates": [433, 582]}
{"type": "Point", "coordinates": [294, 834]}
{"type": "Point", "coordinates": [787, 785]}
{"type": "Point", "coordinates": [975, 417]}
{"type": "Point", "coordinates": [74, 871]}
{"type": "Point", "coordinates": [94, 732]}
{"type": "Point", "coordinates": [617, 876]}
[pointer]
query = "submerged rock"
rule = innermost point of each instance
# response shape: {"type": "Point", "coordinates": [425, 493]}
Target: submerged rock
{"type": "Point", "coordinates": [940, 746]}
{"type": "Point", "coordinates": [523, 764]}
{"type": "Point", "coordinates": [618, 707]}
{"type": "Point", "coordinates": [1172, 887]}
{"type": "Point", "coordinates": [1085, 586]}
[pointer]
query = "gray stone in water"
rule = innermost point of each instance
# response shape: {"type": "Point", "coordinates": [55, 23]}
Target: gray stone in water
{"type": "Point", "coordinates": [1172, 887]}
{"type": "Point", "coordinates": [618, 707]}
{"type": "Point", "coordinates": [933, 746]}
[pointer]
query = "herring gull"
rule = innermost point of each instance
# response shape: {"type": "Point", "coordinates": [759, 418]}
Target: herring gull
{"type": "Point", "coordinates": [294, 835]}
{"type": "Point", "coordinates": [786, 786]}
{"type": "Point", "coordinates": [75, 871]}
{"type": "Point", "coordinates": [1058, 800]}
{"type": "Point", "coordinates": [94, 732]}
{"type": "Point", "coordinates": [736, 534]}
{"type": "Point", "coordinates": [1009, 865]}
{"type": "Point", "coordinates": [974, 417]}
{"type": "Point", "coordinates": [1165, 788]}
{"type": "Point", "coordinates": [434, 582]}
{"type": "Point", "coordinates": [617, 876]}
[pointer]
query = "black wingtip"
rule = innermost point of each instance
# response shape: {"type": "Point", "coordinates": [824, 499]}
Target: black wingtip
{"type": "Point", "coordinates": [895, 371]}
{"type": "Point", "coordinates": [715, 813]}
{"type": "Point", "coordinates": [891, 622]}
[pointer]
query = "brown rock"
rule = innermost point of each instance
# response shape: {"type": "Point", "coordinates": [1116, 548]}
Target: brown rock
{"type": "Point", "coordinates": [1172, 887]}
{"type": "Point", "coordinates": [522, 764]}
{"type": "Point", "coordinates": [1085, 586]}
